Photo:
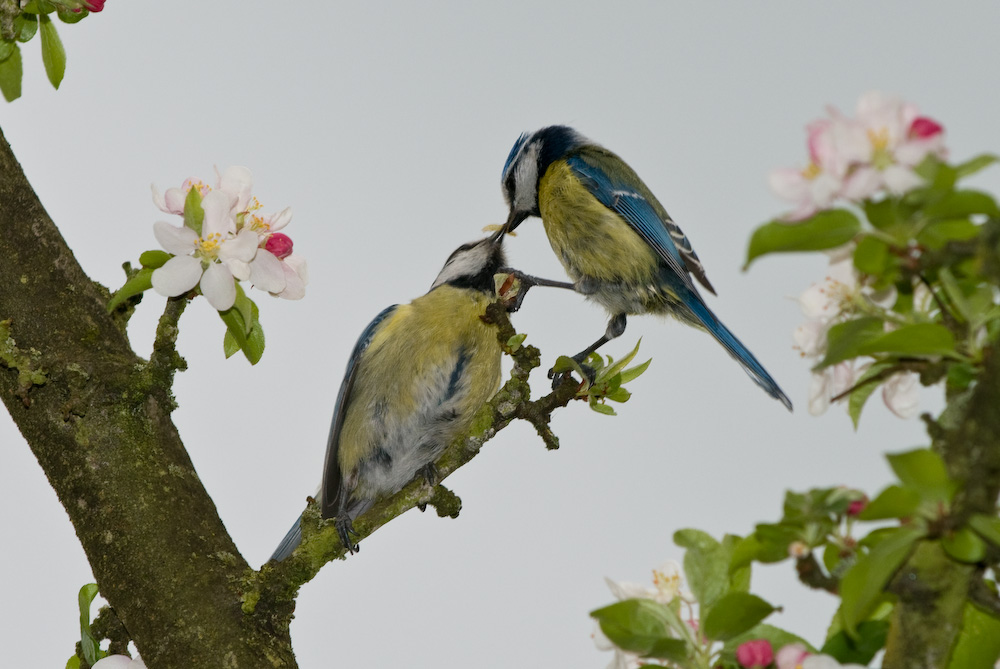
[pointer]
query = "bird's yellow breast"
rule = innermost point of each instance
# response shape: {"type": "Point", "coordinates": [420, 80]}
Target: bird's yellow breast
{"type": "Point", "coordinates": [407, 370]}
{"type": "Point", "coordinates": [588, 238]}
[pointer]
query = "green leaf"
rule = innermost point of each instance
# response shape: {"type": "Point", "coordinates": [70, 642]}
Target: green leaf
{"type": "Point", "coordinates": [988, 527]}
{"type": "Point", "coordinates": [194, 215]}
{"type": "Point", "coordinates": [53, 53]}
{"type": "Point", "coordinates": [10, 76]}
{"type": "Point", "coordinates": [883, 214]}
{"type": "Point", "coordinates": [862, 585]}
{"type": "Point", "coordinates": [229, 344]}
{"type": "Point", "coordinates": [962, 203]}
{"type": "Point", "coordinates": [91, 649]}
{"type": "Point", "coordinates": [936, 234]}
{"type": "Point", "coordinates": [846, 340]}
{"type": "Point", "coordinates": [602, 408]}
{"type": "Point", "coordinates": [978, 643]}
{"type": "Point", "coordinates": [25, 27]}
{"type": "Point", "coordinates": [916, 339]}
{"type": "Point", "coordinates": [825, 230]}
{"type": "Point", "coordinates": [69, 16]}
{"type": "Point", "coordinates": [955, 293]}
{"type": "Point", "coordinates": [142, 281]}
{"type": "Point", "coordinates": [641, 626]}
{"type": "Point", "coordinates": [73, 662]}
{"type": "Point", "coordinates": [706, 565]}
{"type": "Point", "coordinates": [514, 343]}
{"type": "Point", "coordinates": [773, 540]}
{"type": "Point", "coordinates": [734, 614]}
{"type": "Point", "coordinates": [154, 259]}
{"type": "Point", "coordinates": [872, 255]}
{"type": "Point", "coordinates": [869, 639]}
{"type": "Point", "coordinates": [6, 49]}
{"type": "Point", "coordinates": [940, 174]}
{"type": "Point", "coordinates": [964, 545]}
{"type": "Point", "coordinates": [923, 470]}
{"type": "Point", "coordinates": [973, 165]}
{"type": "Point", "coordinates": [244, 305]}
{"type": "Point", "coordinates": [893, 502]}
{"type": "Point", "coordinates": [863, 389]}
{"type": "Point", "coordinates": [252, 342]}
{"type": "Point", "coordinates": [634, 372]}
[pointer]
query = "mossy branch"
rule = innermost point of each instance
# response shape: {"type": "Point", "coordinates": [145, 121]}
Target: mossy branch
{"type": "Point", "coordinates": [277, 583]}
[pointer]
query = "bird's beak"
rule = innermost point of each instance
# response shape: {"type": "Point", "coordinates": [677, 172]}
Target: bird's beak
{"type": "Point", "coordinates": [515, 219]}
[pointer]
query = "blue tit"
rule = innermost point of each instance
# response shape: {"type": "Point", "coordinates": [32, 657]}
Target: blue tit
{"type": "Point", "coordinates": [414, 381]}
{"type": "Point", "coordinates": [616, 241]}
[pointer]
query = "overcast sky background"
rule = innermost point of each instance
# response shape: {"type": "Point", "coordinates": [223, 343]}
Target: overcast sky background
{"type": "Point", "coordinates": [385, 126]}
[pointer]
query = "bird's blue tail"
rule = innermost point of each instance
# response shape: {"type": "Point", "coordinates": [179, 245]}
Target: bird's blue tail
{"type": "Point", "coordinates": [736, 349]}
{"type": "Point", "coordinates": [290, 542]}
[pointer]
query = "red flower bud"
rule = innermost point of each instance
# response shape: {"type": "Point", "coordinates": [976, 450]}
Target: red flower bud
{"type": "Point", "coordinates": [923, 127]}
{"type": "Point", "coordinates": [755, 654]}
{"type": "Point", "coordinates": [857, 506]}
{"type": "Point", "coordinates": [280, 245]}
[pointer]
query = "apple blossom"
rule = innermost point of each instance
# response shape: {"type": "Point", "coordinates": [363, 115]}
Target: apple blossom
{"type": "Point", "coordinates": [211, 260]}
{"type": "Point", "coordinates": [857, 158]}
{"type": "Point", "coordinates": [172, 202]}
{"type": "Point", "coordinates": [755, 654]}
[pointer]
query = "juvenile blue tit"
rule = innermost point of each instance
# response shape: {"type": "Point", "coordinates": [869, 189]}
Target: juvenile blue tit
{"type": "Point", "coordinates": [416, 377]}
{"type": "Point", "coordinates": [615, 239]}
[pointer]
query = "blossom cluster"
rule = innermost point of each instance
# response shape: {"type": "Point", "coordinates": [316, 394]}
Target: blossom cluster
{"type": "Point", "coordinates": [842, 295]}
{"type": "Point", "coordinates": [235, 242]}
{"type": "Point", "coordinates": [857, 158]}
{"type": "Point", "coordinates": [668, 585]}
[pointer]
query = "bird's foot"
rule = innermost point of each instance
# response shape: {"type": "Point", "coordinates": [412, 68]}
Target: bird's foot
{"type": "Point", "coordinates": [344, 530]}
{"type": "Point", "coordinates": [558, 378]}
{"type": "Point", "coordinates": [430, 474]}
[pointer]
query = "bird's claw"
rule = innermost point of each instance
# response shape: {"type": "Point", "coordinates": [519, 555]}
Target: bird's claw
{"type": "Point", "coordinates": [559, 377]}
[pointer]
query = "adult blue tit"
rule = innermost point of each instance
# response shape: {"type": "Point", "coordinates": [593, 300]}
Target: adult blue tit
{"type": "Point", "coordinates": [616, 241]}
{"type": "Point", "coordinates": [414, 381]}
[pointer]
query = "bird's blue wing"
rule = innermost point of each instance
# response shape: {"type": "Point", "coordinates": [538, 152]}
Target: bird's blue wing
{"type": "Point", "coordinates": [660, 232]}
{"type": "Point", "coordinates": [330, 488]}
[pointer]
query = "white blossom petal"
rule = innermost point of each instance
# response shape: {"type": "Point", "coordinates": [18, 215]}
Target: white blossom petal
{"type": "Point", "coordinates": [279, 220]}
{"type": "Point", "coordinates": [819, 393]}
{"type": "Point", "coordinates": [218, 206]}
{"type": "Point", "coordinates": [899, 179]}
{"type": "Point", "coordinates": [116, 662]}
{"type": "Point", "coordinates": [295, 287]}
{"type": "Point", "coordinates": [901, 393]}
{"type": "Point", "coordinates": [238, 182]}
{"type": "Point", "coordinates": [241, 247]}
{"type": "Point", "coordinates": [810, 338]}
{"type": "Point", "coordinates": [864, 182]}
{"type": "Point", "coordinates": [218, 286]}
{"type": "Point", "coordinates": [177, 276]}
{"type": "Point", "coordinates": [239, 268]}
{"type": "Point", "coordinates": [174, 239]}
{"type": "Point", "coordinates": [266, 272]}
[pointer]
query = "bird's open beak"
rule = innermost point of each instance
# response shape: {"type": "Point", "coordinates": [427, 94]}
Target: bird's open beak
{"type": "Point", "coordinates": [515, 219]}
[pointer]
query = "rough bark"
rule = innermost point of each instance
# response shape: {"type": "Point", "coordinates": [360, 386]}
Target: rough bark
{"type": "Point", "coordinates": [97, 418]}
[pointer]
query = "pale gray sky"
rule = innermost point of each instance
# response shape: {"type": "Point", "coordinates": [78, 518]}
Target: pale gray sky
{"type": "Point", "coordinates": [385, 127]}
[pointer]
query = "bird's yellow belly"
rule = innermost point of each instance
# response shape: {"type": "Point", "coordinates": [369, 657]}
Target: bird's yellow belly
{"type": "Point", "coordinates": [590, 240]}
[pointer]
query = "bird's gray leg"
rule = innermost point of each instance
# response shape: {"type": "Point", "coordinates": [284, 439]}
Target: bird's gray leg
{"type": "Point", "coordinates": [616, 327]}
{"type": "Point", "coordinates": [344, 530]}
{"type": "Point", "coordinates": [429, 473]}
{"type": "Point", "coordinates": [527, 281]}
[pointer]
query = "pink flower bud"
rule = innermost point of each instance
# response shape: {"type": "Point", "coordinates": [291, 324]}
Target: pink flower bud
{"type": "Point", "coordinates": [923, 127]}
{"type": "Point", "coordinates": [755, 654]}
{"type": "Point", "coordinates": [857, 506]}
{"type": "Point", "coordinates": [280, 245]}
{"type": "Point", "coordinates": [94, 5]}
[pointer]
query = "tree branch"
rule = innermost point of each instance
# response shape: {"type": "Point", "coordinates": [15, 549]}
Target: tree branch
{"type": "Point", "coordinates": [96, 417]}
